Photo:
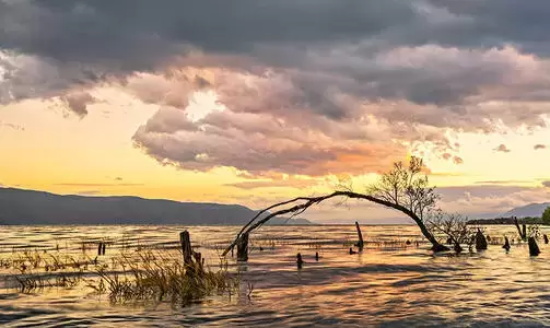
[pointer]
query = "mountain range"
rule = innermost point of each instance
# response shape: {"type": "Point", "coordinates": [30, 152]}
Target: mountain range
{"type": "Point", "coordinates": [530, 210]}
{"type": "Point", "coordinates": [25, 207]}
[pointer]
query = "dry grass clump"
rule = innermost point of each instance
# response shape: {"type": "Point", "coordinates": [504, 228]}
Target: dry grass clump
{"type": "Point", "coordinates": [153, 276]}
{"type": "Point", "coordinates": [137, 275]}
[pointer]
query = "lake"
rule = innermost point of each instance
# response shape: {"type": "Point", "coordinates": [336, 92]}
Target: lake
{"type": "Point", "coordinates": [389, 284]}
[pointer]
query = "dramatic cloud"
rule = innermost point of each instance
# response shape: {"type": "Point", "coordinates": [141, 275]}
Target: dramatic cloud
{"type": "Point", "coordinates": [303, 87]}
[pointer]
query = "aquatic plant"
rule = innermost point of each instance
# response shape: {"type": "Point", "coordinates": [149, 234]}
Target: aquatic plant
{"type": "Point", "coordinates": [126, 276]}
{"type": "Point", "coordinates": [155, 276]}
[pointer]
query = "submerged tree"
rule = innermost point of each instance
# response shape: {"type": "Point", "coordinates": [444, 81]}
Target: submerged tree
{"type": "Point", "coordinates": [454, 227]}
{"type": "Point", "coordinates": [404, 188]}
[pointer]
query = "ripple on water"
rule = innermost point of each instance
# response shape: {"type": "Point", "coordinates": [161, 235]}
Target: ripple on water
{"type": "Point", "coordinates": [405, 287]}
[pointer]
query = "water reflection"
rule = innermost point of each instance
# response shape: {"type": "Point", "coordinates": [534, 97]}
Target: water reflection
{"type": "Point", "coordinates": [386, 285]}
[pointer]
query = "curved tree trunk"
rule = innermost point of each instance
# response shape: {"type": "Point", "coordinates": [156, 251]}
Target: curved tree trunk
{"type": "Point", "coordinates": [309, 201]}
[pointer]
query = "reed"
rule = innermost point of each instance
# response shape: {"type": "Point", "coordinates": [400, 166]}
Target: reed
{"type": "Point", "coordinates": [155, 276]}
{"type": "Point", "coordinates": [127, 276]}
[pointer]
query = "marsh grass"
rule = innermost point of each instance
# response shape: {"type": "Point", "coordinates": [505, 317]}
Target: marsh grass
{"type": "Point", "coordinates": [137, 275]}
{"type": "Point", "coordinates": [154, 276]}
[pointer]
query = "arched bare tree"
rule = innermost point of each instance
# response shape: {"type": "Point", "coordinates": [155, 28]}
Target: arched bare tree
{"type": "Point", "coordinates": [404, 188]}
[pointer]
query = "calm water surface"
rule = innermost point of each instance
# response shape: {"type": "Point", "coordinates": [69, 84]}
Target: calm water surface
{"type": "Point", "coordinates": [384, 286]}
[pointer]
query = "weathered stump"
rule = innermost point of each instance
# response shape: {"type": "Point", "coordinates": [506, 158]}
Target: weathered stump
{"type": "Point", "coordinates": [351, 251]}
{"type": "Point", "coordinates": [242, 248]}
{"type": "Point", "coordinates": [299, 261]}
{"type": "Point", "coordinates": [360, 242]}
{"type": "Point", "coordinates": [103, 248]}
{"type": "Point", "coordinates": [458, 249]}
{"type": "Point", "coordinates": [481, 242]}
{"type": "Point", "coordinates": [533, 247]}
{"type": "Point", "coordinates": [522, 234]}
{"type": "Point", "coordinates": [545, 238]}
{"type": "Point", "coordinates": [524, 228]}
{"type": "Point", "coordinates": [506, 245]}
{"type": "Point", "coordinates": [185, 241]}
{"type": "Point", "coordinates": [317, 256]}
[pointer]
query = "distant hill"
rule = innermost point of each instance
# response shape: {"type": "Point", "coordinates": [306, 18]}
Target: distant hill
{"type": "Point", "coordinates": [530, 210]}
{"type": "Point", "coordinates": [19, 206]}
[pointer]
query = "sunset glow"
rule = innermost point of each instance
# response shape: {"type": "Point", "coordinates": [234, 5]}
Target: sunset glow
{"type": "Point", "coordinates": [260, 118]}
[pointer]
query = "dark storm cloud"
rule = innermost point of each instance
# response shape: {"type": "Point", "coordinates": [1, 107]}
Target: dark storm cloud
{"type": "Point", "coordinates": [89, 40]}
{"type": "Point", "coordinates": [497, 22]}
{"type": "Point", "coordinates": [143, 32]}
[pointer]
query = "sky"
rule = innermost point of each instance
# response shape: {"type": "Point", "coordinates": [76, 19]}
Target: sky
{"type": "Point", "coordinates": [253, 102]}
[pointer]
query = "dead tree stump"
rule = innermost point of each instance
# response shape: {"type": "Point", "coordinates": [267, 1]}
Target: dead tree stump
{"type": "Point", "coordinates": [101, 248]}
{"type": "Point", "coordinates": [506, 245]}
{"type": "Point", "coordinates": [360, 242]}
{"type": "Point", "coordinates": [299, 261]}
{"type": "Point", "coordinates": [522, 234]}
{"type": "Point", "coordinates": [242, 248]}
{"type": "Point", "coordinates": [185, 241]}
{"type": "Point", "coordinates": [481, 242]}
{"type": "Point", "coordinates": [192, 261]}
{"type": "Point", "coordinates": [533, 247]}
{"type": "Point", "coordinates": [524, 229]}
{"type": "Point", "coordinates": [545, 239]}
{"type": "Point", "coordinates": [317, 256]}
{"type": "Point", "coordinates": [458, 249]}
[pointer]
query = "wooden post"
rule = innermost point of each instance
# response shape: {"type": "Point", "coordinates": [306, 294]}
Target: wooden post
{"type": "Point", "coordinates": [317, 256]}
{"type": "Point", "coordinates": [242, 248]}
{"type": "Point", "coordinates": [299, 260]}
{"type": "Point", "coordinates": [103, 247]}
{"type": "Point", "coordinates": [533, 247]}
{"type": "Point", "coordinates": [506, 245]}
{"type": "Point", "coordinates": [524, 228]}
{"type": "Point", "coordinates": [481, 242]}
{"type": "Point", "coordinates": [360, 243]}
{"type": "Point", "coordinates": [185, 241]}
{"type": "Point", "coordinates": [99, 248]}
{"type": "Point", "coordinates": [521, 234]}
{"type": "Point", "coordinates": [545, 239]}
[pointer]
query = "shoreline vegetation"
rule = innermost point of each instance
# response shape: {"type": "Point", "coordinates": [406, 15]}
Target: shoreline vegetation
{"type": "Point", "coordinates": [506, 221]}
{"type": "Point", "coordinates": [131, 275]}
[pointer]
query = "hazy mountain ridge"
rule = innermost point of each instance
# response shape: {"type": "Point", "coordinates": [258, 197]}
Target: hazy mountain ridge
{"type": "Point", "coordinates": [19, 206]}
{"type": "Point", "coordinates": [531, 210]}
